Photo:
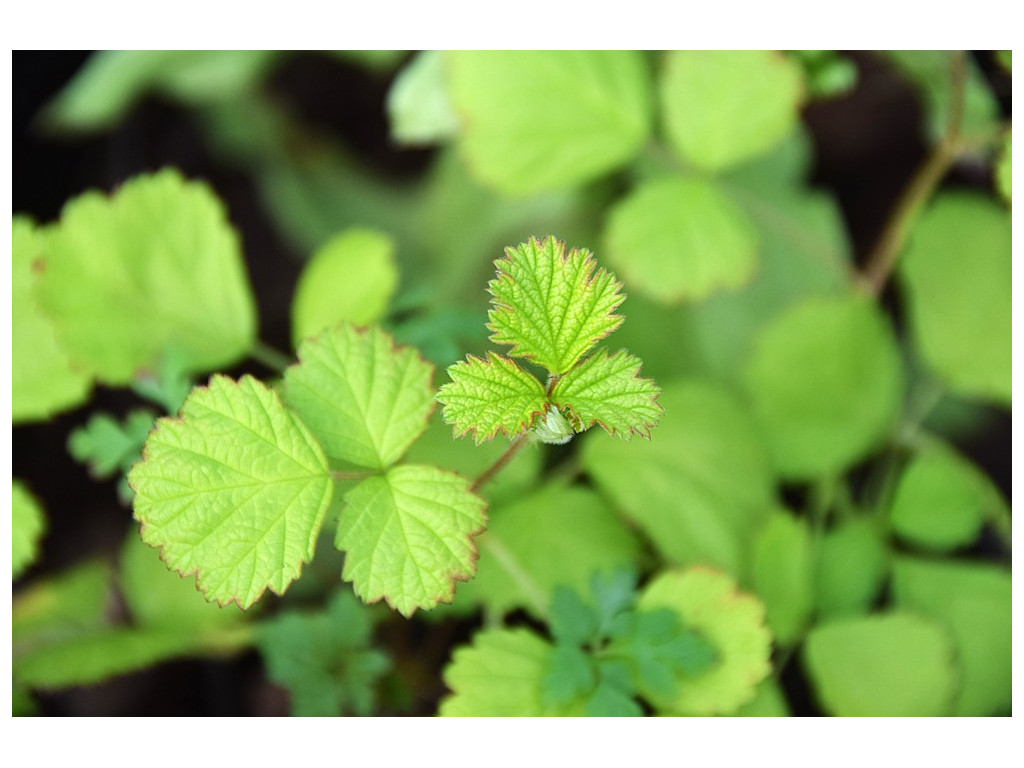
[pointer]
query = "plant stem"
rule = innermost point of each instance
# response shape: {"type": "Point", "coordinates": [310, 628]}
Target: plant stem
{"type": "Point", "coordinates": [498, 465]}
{"type": "Point", "coordinates": [923, 183]}
{"type": "Point", "coordinates": [270, 357]}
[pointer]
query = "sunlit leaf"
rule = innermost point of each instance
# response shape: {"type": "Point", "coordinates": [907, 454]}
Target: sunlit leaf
{"type": "Point", "coordinates": [552, 306]}
{"type": "Point", "coordinates": [1004, 169]}
{"type": "Point", "coordinates": [723, 107]}
{"type": "Point", "coordinates": [364, 399]}
{"type": "Point", "coordinates": [418, 107]}
{"type": "Point", "coordinates": [956, 280]}
{"type": "Point", "coordinates": [408, 536]}
{"type": "Point", "coordinates": [234, 491]}
{"type": "Point", "coordinates": [679, 239]}
{"type": "Point", "coordinates": [350, 278]}
{"type": "Point", "coordinates": [884, 665]}
{"type": "Point", "coordinates": [826, 382]}
{"type": "Point", "coordinates": [538, 120]}
{"type": "Point", "coordinates": [155, 265]}
{"type": "Point", "coordinates": [44, 381]}
{"type": "Point", "coordinates": [485, 397]}
{"type": "Point", "coordinates": [28, 524]}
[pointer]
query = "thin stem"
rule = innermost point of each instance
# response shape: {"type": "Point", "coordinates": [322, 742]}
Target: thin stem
{"type": "Point", "coordinates": [924, 182]}
{"type": "Point", "coordinates": [338, 475]}
{"type": "Point", "coordinates": [504, 459]}
{"type": "Point", "coordinates": [270, 357]}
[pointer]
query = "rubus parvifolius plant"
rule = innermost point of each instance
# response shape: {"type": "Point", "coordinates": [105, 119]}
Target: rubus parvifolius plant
{"type": "Point", "coordinates": [236, 489]}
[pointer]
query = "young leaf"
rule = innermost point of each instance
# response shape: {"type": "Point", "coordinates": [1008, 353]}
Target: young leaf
{"type": "Point", "coordinates": [826, 381]}
{"type": "Point", "coordinates": [612, 700]}
{"type": "Point", "coordinates": [408, 536]}
{"type": "Point", "coordinates": [732, 622]}
{"type": "Point", "coordinates": [974, 602]}
{"type": "Point", "coordinates": [885, 665]}
{"type": "Point", "coordinates": [552, 306]}
{"type": "Point", "coordinates": [679, 239]}
{"type": "Point", "coordinates": [154, 265]}
{"type": "Point", "coordinates": [107, 446]}
{"type": "Point", "coordinates": [956, 276]}
{"type": "Point", "coordinates": [43, 379]}
{"type": "Point", "coordinates": [350, 278]}
{"type": "Point", "coordinates": [365, 400]}
{"type": "Point", "coordinates": [538, 120]}
{"type": "Point", "coordinates": [28, 526]}
{"type": "Point", "coordinates": [723, 107]}
{"type": "Point", "coordinates": [571, 673]}
{"type": "Point", "coordinates": [572, 621]}
{"type": "Point", "coordinates": [609, 391]}
{"type": "Point", "coordinates": [235, 491]}
{"type": "Point", "coordinates": [500, 675]}
{"type": "Point", "coordinates": [486, 397]}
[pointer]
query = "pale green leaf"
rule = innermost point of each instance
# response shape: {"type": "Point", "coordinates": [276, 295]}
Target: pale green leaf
{"type": "Point", "coordinates": [408, 536]}
{"type": "Point", "coordinates": [723, 107]}
{"type": "Point", "coordinates": [28, 524]}
{"type": "Point", "coordinates": [234, 490]}
{"type": "Point", "coordinates": [552, 306]}
{"type": "Point", "coordinates": [537, 120]}
{"type": "Point", "coordinates": [942, 500]}
{"type": "Point", "coordinates": [680, 238]}
{"type": "Point", "coordinates": [974, 602]}
{"type": "Point", "coordinates": [782, 575]}
{"type": "Point", "coordinates": [1004, 169]}
{"type": "Point", "coordinates": [609, 391]}
{"type": "Point", "coordinates": [485, 397]}
{"type": "Point", "coordinates": [418, 107]}
{"type": "Point", "coordinates": [500, 675]}
{"type": "Point", "coordinates": [364, 399]}
{"type": "Point", "coordinates": [885, 665]}
{"type": "Point", "coordinates": [826, 382]}
{"type": "Point", "coordinates": [108, 446]}
{"type": "Point", "coordinates": [732, 622]}
{"type": "Point", "coordinates": [768, 701]}
{"type": "Point", "coordinates": [700, 486]}
{"type": "Point", "coordinates": [158, 597]}
{"type": "Point", "coordinates": [44, 381]}
{"type": "Point", "coordinates": [350, 278]}
{"type": "Point", "coordinates": [852, 565]}
{"type": "Point", "coordinates": [91, 658]}
{"type": "Point", "coordinates": [155, 265]}
{"type": "Point", "coordinates": [68, 604]}
{"type": "Point", "coordinates": [956, 280]}
{"type": "Point", "coordinates": [555, 536]}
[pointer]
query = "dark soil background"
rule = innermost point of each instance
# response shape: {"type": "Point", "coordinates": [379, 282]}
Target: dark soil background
{"type": "Point", "coordinates": [868, 144]}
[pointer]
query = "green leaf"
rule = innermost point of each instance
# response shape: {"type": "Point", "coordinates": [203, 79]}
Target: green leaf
{"type": "Point", "coordinates": [537, 120]}
{"type": "Point", "coordinates": [825, 380]}
{"type": "Point", "coordinates": [169, 384]}
{"type": "Point", "coordinates": [554, 535]}
{"type": "Point", "coordinates": [44, 381]}
{"type": "Point", "coordinates": [942, 501]}
{"type": "Point", "coordinates": [609, 391]}
{"type": "Point", "coordinates": [28, 525]}
{"type": "Point", "coordinates": [364, 399]}
{"type": "Point", "coordinates": [852, 565]}
{"type": "Point", "coordinates": [485, 397]}
{"type": "Point", "coordinates": [97, 656]}
{"type": "Point", "coordinates": [974, 602]}
{"type": "Point", "coordinates": [155, 265]}
{"type": "Point", "coordinates": [613, 591]}
{"type": "Point", "coordinates": [408, 536]}
{"type": "Point", "coordinates": [572, 620]}
{"type": "Point", "coordinates": [570, 673]}
{"type": "Point", "coordinates": [109, 447]}
{"type": "Point", "coordinates": [235, 491]}
{"type": "Point", "coordinates": [350, 278]}
{"type": "Point", "coordinates": [886, 665]}
{"type": "Point", "coordinates": [723, 107]}
{"type": "Point", "coordinates": [500, 675]}
{"type": "Point", "coordinates": [66, 605]}
{"type": "Point", "coordinates": [700, 486]}
{"type": "Point", "coordinates": [552, 306]}
{"type": "Point", "coordinates": [418, 107]}
{"type": "Point", "coordinates": [768, 701]}
{"type": "Point", "coordinates": [1004, 169]}
{"type": "Point", "coordinates": [783, 573]}
{"type": "Point", "coordinates": [611, 700]}
{"type": "Point", "coordinates": [158, 597]}
{"type": "Point", "coordinates": [680, 239]}
{"type": "Point", "coordinates": [955, 276]}
{"type": "Point", "coordinates": [324, 659]}
{"type": "Point", "coordinates": [732, 622]}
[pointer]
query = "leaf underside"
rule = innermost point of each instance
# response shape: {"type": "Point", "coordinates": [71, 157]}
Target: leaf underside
{"type": "Point", "coordinates": [235, 490]}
